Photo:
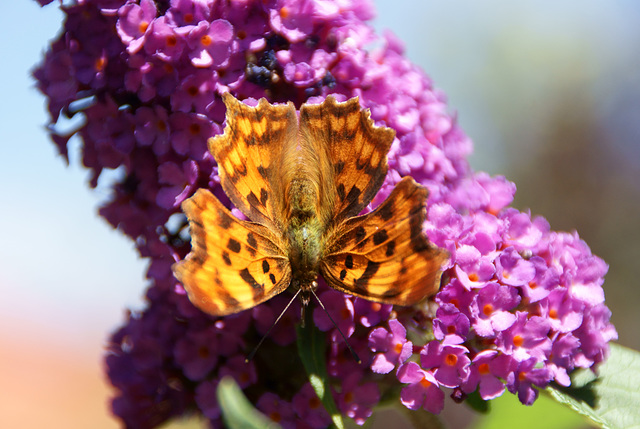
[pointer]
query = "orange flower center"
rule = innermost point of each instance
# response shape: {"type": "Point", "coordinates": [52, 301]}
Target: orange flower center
{"type": "Point", "coordinates": [376, 306]}
{"type": "Point", "coordinates": [314, 402]}
{"type": "Point", "coordinates": [143, 26]}
{"type": "Point", "coordinates": [284, 12]}
{"type": "Point", "coordinates": [425, 383]}
{"type": "Point", "coordinates": [188, 18]}
{"type": "Point", "coordinates": [451, 359]}
{"type": "Point", "coordinates": [487, 309]}
{"type": "Point", "coordinates": [100, 64]}
{"type": "Point", "coordinates": [553, 313]}
{"type": "Point", "coordinates": [473, 277]}
{"type": "Point", "coordinates": [162, 126]}
{"type": "Point", "coordinates": [206, 40]}
{"type": "Point", "coordinates": [275, 416]}
{"type": "Point", "coordinates": [398, 348]}
{"type": "Point", "coordinates": [483, 368]}
{"type": "Point", "coordinates": [171, 41]}
{"type": "Point", "coordinates": [348, 397]}
{"type": "Point", "coordinates": [194, 129]}
{"type": "Point", "coordinates": [518, 340]}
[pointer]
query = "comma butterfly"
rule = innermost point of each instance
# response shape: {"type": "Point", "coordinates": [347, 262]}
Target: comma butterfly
{"type": "Point", "coordinates": [302, 183]}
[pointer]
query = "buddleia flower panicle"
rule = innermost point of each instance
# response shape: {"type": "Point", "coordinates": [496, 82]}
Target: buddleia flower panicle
{"type": "Point", "coordinates": [520, 305]}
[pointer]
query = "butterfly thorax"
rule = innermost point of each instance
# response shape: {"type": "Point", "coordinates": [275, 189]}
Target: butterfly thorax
{"type": "Point", "coordinates": [304, 234]}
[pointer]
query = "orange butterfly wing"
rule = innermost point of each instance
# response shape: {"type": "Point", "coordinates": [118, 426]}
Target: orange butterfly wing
{"type": "Point", "coordinates": [233, 264]}
{"type": "Point", "coordinates": [384, 256]}
{"type": "Point", "coordinates": [351, 154]}
{"type": "Point", "coordinates": [250, 157]}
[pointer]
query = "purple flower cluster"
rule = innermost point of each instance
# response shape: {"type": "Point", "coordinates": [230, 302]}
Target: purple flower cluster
{"type": "Point", "coordinates": [520, 305]}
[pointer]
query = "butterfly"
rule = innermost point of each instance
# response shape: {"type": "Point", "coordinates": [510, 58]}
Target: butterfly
{"type": "Point", "coordinates": [302, 181]}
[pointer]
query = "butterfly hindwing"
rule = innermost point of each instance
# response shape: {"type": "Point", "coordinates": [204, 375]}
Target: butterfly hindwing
{"type": "Point", "coordinates": [355, 151]}
{"type": "Point", "coordinates": [249, 156]}
{"type": "Point", "coordinates": [384, 256]}
{"type": "Point", "coordinates": [233, 264]}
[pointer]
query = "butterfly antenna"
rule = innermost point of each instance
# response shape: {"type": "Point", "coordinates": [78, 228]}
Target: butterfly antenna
{"type": "Point", "coordinates": [255, 349]}
{"type": "Point", "coordinates": [355, 356]}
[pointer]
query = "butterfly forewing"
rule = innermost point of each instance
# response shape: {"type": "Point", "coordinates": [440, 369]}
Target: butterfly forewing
{"type": "Point", "coordinates": [383, 255]}
{"type": "Point", "coordinates": [355, 151]}
{"type": "Point", "coordinates": [233, 264]}
{"type": "Point", "coordinates": [250, 155]}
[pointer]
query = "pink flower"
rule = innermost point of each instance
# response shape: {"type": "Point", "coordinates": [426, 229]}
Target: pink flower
{"type": "Point", "coordinates": [134, 23]}
{"type": "Point", "coordinates": [393, 345]}
{"type": "Point", "coordinates": [210, 43]}
{"type": "Point", "coordinates": [423, 390]}
{"type": "Point", "coordinates": [450, 363]}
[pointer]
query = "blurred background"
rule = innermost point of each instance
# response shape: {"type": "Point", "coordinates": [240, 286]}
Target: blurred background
{"type": "Point", "coordinates": [549, 92]}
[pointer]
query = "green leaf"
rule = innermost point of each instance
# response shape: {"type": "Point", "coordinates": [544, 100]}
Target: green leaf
{"type": "Point", "coordinates": [611, 400]}
{"type": "Point", "coordinates": [237, 411]}
{"type": "Point", "coordinates": [477, 403]}
{"type": "Point", "coordinates": [508, 412]}
{"type": "Point", "coordinates": [312, 351]}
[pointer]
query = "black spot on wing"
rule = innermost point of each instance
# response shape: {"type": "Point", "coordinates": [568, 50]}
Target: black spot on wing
{"type": "Point", "coordinates": [341, 192]}
{"type": "Point", "coordinates": [347, 134]}
{"type": "Point", "coordinates": [264, 172]}
{"type": "Point", "coordinates": [353, 201]}
{"type": "Point", "coordinates": [216, 278]}
{"type": "Point", "coordinates": [391, 248]}
{"type": "Point", "coordinates": [385, 212]}
{"type": "Point", "coordinates": [225, 296]}
{"type": "Point", "coordinates": [361, 237]}
{"type": "Point", "coordinates": [252, 244]}
{"type": "Point", "coordinates": [234, 246]}
{"type": "Point", "coordinates": [338, 167]}
{"type": "Point", "coordinates": [224, 220]}
{"type": "Point", "coordinates": [249, 279]}
{"type": "Point", "coordinates": [225, 258]}
{"type": "Point", "coordinates": [380, 236]}
{"type": "Point", "coordinates": [252, 199]}
{"type": "Point", "coordinates": [264, 196]}
{"type": "Point", "coordinates": [354, 194]}
{"type": "Point", "coordinates": [241, 169]}
{"type": "Point", "coordinates": [391, 292]}
{"type": "Point", "coordinates": [272, 278]}
{"type": "Point", "coordinates": [360, 233]}
{"type": "Point", "coordinates": [415, 225]}
{"type": "Point", "coordinates": [348, 262]}
{"type": "Point", "coordinates": [265, 266]}
{"type": "Point", "coordinates": [343, 274]}
{"type": "Point", "coordinates": [369, 272]}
